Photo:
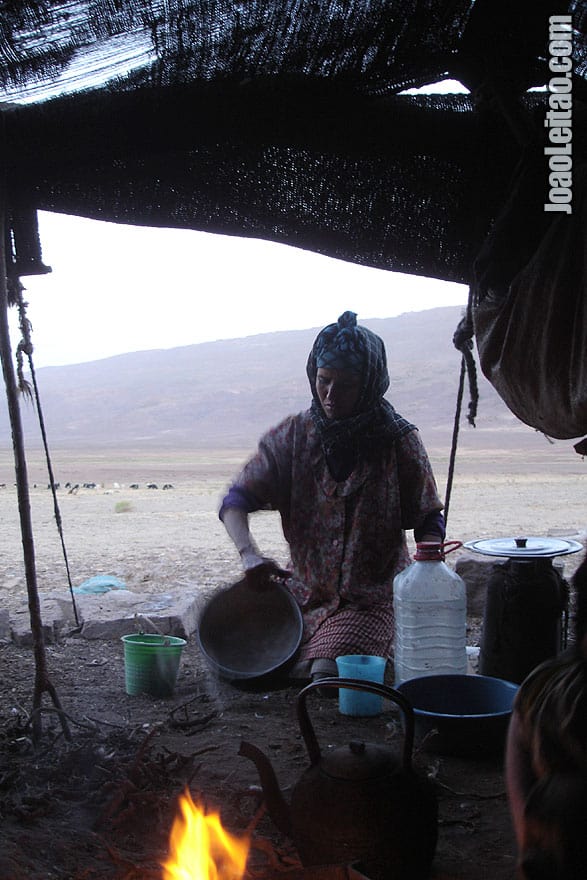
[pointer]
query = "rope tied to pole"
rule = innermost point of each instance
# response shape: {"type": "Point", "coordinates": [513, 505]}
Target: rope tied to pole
{"type": "Point", "coordinates": [463, 342]}
{"type": "Point", "coordinates": [25, 347]}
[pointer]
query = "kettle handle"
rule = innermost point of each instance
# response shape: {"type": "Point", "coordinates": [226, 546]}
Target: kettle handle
{"type": "Point", "coordinates": [355, 684]}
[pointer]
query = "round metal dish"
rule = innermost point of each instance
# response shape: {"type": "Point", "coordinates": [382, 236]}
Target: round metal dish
{"type": "Point", "coordinates": [246, 633]}
{"type": "Point", "coordinates": [524, 548]}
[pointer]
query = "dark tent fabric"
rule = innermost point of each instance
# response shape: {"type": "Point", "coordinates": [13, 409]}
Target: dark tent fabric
{"type": "Point", "coordinates": [279, 120]}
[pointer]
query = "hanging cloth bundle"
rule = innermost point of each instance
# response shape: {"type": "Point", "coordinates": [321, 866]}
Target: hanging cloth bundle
{"type": "Point", "coordinates": [528, 304]}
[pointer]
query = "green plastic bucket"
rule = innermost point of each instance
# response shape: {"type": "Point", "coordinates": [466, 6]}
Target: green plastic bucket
{"type": "Point", "coordinates": [151, 663]}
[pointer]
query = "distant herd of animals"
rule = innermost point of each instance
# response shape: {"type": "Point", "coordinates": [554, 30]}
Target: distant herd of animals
{"type": "Point", "coordinates": [72, 488]}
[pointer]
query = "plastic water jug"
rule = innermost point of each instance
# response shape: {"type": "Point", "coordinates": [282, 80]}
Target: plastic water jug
{"type": "Point", "coordinates": [430, 604]}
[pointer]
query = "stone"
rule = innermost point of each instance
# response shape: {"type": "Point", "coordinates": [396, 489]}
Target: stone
{"type": "Point", "coordinates": [475, 571]}
{"type": "Point", "coordinates": [5, 629]}
{"type": "Point", "coordinates": [22, 634]}
{"type": "Point", "coordinates": [121, 612]}
{"type": "Point", "coordinates": [106, 616]}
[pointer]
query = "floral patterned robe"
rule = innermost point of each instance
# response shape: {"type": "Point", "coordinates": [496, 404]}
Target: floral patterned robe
{"type": "Point", "coordinates": [346, 539]}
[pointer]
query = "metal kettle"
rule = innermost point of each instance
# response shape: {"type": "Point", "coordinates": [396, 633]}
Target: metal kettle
{"type": "Point", "coordinates": [361, 803]}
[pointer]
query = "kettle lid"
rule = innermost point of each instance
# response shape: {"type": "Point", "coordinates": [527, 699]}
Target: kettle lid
{"type": "Point", "coordinates": [359, 760]}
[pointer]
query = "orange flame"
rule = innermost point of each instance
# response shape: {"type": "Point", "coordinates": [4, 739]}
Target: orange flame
{"type": "Point", "coordinates": [201, 849]}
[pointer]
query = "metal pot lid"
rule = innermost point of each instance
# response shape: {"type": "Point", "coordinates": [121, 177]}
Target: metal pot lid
{"type": "Point", "coordinates": [523, 547]}
{"type": "Point", "coordinates": [358, 761]}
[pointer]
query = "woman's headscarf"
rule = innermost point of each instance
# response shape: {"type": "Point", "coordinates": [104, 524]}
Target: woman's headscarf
{"type": "Point", "coordinates": [348, 346]}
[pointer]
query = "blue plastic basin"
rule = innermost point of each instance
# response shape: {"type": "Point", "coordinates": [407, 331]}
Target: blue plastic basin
{"type": "Point", "coordinates": [464, 715]}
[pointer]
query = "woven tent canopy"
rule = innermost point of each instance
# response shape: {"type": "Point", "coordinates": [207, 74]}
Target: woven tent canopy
{"type": "Point", "coordinates": [285, 121]}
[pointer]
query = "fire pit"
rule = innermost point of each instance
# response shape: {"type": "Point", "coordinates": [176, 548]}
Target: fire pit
{"type": "Point", "coordinates": [202, 849]}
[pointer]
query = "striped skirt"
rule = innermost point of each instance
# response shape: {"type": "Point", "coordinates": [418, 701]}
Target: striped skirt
{"type": "Point", "coordinates": [352, 631]}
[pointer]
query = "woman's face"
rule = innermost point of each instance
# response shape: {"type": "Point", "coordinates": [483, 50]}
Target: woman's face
{"type": "Point", "coordinates": [338, 392]}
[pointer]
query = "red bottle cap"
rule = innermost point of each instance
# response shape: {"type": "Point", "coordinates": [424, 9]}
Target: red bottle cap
{"type": "Point", "coordinates": [431, 551]}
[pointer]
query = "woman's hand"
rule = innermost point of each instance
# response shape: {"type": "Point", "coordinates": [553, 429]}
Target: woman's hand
{"type": "Point", "coordinates": [261, 573]}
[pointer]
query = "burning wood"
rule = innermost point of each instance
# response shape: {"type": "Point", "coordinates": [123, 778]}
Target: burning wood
{"type": "Point", "coordinates": [201, 849]}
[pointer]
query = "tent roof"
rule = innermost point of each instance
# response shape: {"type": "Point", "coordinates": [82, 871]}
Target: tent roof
{"type": "Point", "coordinates": [279, 120]}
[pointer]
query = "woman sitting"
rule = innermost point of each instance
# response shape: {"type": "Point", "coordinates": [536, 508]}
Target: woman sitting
{"type": "Point", "coordinates": [348, 477]}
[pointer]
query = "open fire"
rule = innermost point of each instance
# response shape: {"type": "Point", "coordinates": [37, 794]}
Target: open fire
{"type": "Point", "coordinates": [201, 849]}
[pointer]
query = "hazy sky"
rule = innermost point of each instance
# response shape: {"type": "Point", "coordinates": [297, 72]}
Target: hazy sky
{"type": "Point", "coordinates": [116, 289]}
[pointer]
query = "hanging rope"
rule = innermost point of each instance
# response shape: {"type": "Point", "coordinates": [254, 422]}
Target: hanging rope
{"type": "Point", "coordinates": [25, 347]}
{"type": "Point", "coordinates": [493, 96]}
{"type": "Point", "coordinates": [463, 341]}
{"type": "Point", "coordinates": [455, 435]}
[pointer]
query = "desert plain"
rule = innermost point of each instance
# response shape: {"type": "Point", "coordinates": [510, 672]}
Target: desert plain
{"type": "Point", "coordinates": [151, 537]}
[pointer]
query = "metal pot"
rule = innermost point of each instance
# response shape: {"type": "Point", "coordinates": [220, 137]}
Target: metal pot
{"type": "Point", "coordinates": [526, 606]}
{"type": "Point", "coordinates": [361, 803]}
{"type": "Point", "coordinates": [245, 633]}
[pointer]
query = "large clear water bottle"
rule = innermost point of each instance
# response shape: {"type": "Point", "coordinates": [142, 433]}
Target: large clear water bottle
{"type": "Point", "coordinates": [430, 604]}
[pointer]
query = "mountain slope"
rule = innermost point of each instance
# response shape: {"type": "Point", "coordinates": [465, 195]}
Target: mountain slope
{"type": "Point", "coordinates": [225, 393]}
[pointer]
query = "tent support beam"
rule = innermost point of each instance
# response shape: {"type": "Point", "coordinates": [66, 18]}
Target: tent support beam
{"type": "Point", "coordinates": [43, 682]}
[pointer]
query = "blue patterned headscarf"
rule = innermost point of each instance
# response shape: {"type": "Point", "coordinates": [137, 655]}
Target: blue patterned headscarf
{"type": "Point", "coordinates": [341, 346]}
{"type": "Point", "coordinates": [347, 345]}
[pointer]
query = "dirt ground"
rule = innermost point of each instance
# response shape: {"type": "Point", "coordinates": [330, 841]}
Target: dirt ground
{"type": "Point", "coordinates": [100, 805]}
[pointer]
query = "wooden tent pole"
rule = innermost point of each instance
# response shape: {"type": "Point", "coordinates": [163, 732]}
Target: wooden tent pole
{"type": "Point", "coordinates": [42, 681]}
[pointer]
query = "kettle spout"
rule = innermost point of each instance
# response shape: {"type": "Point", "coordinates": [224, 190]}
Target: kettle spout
{"type": "Point", "coordinates": [276, 805]}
